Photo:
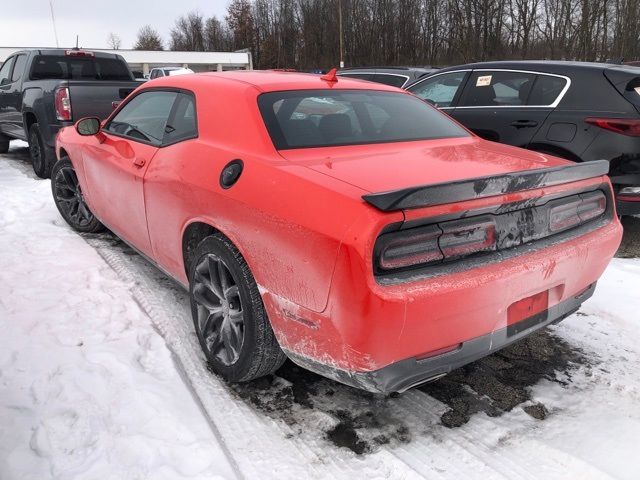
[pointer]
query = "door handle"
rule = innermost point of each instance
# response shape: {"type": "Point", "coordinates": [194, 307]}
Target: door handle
{"type": "Point", "coordinates": [524, 123]}
{"type": "Point", "coordinates": [139, 162]}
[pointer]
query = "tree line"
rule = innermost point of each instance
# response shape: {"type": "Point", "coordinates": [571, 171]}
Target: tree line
{"type": "Point", "coordinates": [304, 34]}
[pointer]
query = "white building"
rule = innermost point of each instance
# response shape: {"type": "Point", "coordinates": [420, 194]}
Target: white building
{"type": "Point", "coordinates": [145, 60]}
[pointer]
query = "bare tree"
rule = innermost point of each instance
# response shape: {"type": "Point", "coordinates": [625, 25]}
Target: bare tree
{"type": "Point", "coordinates": [188, 33]}
{"type": "Point", "coordinates": [114, 41]}
{"type": "Point", "coordinates": [148, 39]}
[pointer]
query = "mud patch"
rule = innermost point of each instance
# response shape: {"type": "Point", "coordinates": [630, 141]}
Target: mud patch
{"type": "Point", "coordinates": [362, 422]}
{"type": "Point", "coordinates": [500, 382]}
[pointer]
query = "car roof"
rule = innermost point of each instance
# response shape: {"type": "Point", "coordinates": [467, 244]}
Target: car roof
{"type": "Point", "coordinates": [547, 66]}
{"type": "Point", "coordinates": [268, 81]}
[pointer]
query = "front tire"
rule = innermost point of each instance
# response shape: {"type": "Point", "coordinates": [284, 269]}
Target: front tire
{"type": "Point", "coordinates": [228, 313]}
{"type": "Point", "coordinates": [69, 200]}
{"type": "Point", "coordinates": [40, 155]}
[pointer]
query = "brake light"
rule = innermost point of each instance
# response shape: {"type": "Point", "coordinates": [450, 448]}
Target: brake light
{"type": "Point", "coordinates": [456, 239]}
{"type": "Point", "coordinates": [629, 194]}
{"type": "Point", "coordinates": [567, 215]}
{"type": "Point", "coordinates": [78, 53]}
{"type": "Point", "coordinates": [464, 238]}
{"type": "Point", "coordinates": [417, 247]}
{"type": "Point", "coordinates": [433, 244]}
{"type": "Point", "coordinates": [62, 104]}
{"type": "Point", "coordinates": [623, 126]}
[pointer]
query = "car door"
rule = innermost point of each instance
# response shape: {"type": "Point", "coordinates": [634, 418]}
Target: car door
{"type": "Point", "coordinates": [495, 105]}
{"type": "Point", "coordinates": [12, 93]}
{"type": "Point", "coordinates": [5, 87]}
{"type": "Point", "coordinates": [115, 167]}
{"type": "Point", "coordinates": [168, 197]}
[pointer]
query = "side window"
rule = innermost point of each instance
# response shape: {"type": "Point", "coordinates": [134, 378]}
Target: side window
{"type": "Point", "coordinates": [546, 90]}
{"type": "Point", "coordinates": [144, 117]}
{"type": "Point", "coordinates": [18, 69]}
{"type": "Point", "coordinates": [497, 88]}
{"type": "Point", "coordinates": [182, 124]}
{"type": "Point", "coordinates": [387, 79]}
{"type": "Point", "coordinates": [439, 90]}
{"type": "Point", "coordinates": [154, 74]}
{"type": "Point", "coordinates": [6, 70]}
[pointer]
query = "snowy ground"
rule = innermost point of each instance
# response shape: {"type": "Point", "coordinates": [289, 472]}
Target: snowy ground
{"type": "Point", "coordinates": [101, 378]}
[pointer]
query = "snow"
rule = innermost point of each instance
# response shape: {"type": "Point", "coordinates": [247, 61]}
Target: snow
{"type": "Point", "coordinates": [88, 389]}
{"type": "Point", "coordinates": [101, 378]}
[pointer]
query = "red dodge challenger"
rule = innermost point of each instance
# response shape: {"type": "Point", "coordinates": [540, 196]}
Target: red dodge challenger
{"type": "Point", "coordinates": [346, 225]}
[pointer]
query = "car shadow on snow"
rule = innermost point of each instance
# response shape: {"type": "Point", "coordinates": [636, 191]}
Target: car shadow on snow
{"type": "Point", "coordinates": [362, 421]}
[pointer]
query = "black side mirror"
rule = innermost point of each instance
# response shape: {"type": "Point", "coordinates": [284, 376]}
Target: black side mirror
{"type": "Point", "coordinates": [88, 126]}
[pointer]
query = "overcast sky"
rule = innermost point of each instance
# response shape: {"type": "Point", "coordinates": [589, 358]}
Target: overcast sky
{"type": "Point", "coordinates": [27, 23]}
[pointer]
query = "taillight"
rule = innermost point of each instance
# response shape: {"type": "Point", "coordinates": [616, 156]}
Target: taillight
{"type": "Point", "coordinates": [623, 126]}
{"type": "Point", "coordinates": [463, 238]}
{"type": "Point", "coordinates": [578, 211]}
{"type": "Point", "coordinates": [435, 243]}
{"type": "Point", "coordinates": [415, 247]}
{"type": "Point", "coordinates": [62, 104]}
{"type": "Point", "coordinates": [629, 194]}
{"type": "Point", "coordinates": [456, 239]}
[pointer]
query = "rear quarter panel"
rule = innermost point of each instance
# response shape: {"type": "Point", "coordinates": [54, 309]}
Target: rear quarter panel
{"type": "Point", "coordinates": [286, 220]}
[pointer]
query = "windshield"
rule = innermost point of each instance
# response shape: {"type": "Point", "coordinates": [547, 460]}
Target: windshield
{"type": "Point", "coordinates": [321, 118]}
{"type": "Point", "coordinates": [63, 67]}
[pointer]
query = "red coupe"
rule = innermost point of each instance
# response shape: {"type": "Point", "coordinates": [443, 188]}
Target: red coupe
{"type": "Point", "coordinates": [346, 225]}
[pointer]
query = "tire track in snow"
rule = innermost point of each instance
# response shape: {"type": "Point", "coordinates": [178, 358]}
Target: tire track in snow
{"type": "Point", "coordinates": [259, 447]}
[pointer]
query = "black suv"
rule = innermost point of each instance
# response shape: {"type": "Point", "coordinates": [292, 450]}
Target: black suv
{"type": "Point", "coordinates": [575, 110]}
{"type": "Point", "coordinates": [394, 76]}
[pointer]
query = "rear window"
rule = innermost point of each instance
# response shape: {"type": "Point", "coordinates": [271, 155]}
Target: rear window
{"type": "Point", "coordinates": [322, 118]}
{"type": "Point", "coordinates": [47, 67]}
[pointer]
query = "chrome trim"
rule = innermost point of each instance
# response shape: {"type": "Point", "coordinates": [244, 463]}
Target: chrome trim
{"type": "Point", "coordinates": [533, 72]}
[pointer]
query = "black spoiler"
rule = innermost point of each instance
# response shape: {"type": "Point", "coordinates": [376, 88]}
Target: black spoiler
{"type": "Point", "coordinates": [480, 187]}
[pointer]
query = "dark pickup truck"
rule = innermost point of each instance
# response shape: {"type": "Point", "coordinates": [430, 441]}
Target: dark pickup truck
{"type": "Point", "coordinates": [42, 91]}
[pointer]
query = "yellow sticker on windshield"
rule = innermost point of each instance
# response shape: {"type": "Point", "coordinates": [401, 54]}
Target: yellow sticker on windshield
{"type": "Point", "coordinates": [483, 81]}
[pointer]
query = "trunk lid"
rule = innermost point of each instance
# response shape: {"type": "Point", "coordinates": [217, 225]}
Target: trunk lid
{"type": "Point", "coordinates": [392, 166]}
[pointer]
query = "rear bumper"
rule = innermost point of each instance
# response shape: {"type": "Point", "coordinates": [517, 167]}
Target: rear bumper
{"type": "Point", "coordinates": [402, 375]}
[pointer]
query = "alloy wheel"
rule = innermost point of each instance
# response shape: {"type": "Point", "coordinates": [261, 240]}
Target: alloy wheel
{"type": "Point", "coordinates": [69, 197]}
{"type": "Point", "coordinates": [220, 317]}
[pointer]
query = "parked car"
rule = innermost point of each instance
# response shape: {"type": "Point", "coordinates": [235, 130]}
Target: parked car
{"type": "Point", "coordinates": [394, 76]}
{"type": "Point", "coordinates": [344, 224]}
{"type": "Point", "coordinates": [42, 91]}
{"type": "Point", "coordinates": [168, 71]}
{"type": "Point", "coordinates": [574, 110]}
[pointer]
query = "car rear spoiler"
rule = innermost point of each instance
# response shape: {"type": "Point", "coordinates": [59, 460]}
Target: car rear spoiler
{"type": "Point", "coordinates": [480, 187]}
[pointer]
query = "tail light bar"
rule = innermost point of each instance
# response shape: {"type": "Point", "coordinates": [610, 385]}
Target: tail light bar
{"type": "Point", "coordinates": [458, 239]}
{"type": "Point", "coordinates": [624, 126]}
{"type": "Point", "coordinates": [62, 103]}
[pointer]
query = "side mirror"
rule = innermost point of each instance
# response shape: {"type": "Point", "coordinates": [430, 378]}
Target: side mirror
{"type": "Point", "coordinates": [88, 126]}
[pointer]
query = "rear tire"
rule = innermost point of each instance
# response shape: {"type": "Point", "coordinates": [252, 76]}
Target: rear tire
{"type": "Point", "coordinates": [228, 314]}
{"type": "Point", "coordinates": [4, 143]}
{"type": "Point", "coordinates": [41, 158]}
{"type": "Point", "coordinates": [69, 200]}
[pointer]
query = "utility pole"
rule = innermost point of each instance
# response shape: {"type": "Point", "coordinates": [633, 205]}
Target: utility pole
{"type": "Point", "coordinates": [53, 20]}
{"type": "Point", "coordinates": [340, 28]}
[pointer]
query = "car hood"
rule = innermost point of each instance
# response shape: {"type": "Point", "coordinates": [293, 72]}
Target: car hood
{"type": "Point", "coordinates": [383, 167]}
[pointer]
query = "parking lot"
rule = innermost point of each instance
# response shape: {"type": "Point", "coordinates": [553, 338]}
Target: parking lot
{"type": "Point", "coordinates": [566, 396]}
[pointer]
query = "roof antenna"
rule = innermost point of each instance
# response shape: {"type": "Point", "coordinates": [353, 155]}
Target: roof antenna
{"type": "Point", "coordinates": [77, 48]}
{"type": "Point", "coordinates": [330, 76]}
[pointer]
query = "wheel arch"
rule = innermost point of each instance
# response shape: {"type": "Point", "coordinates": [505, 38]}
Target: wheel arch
{"type": "Point", "coordinates": [193, 233]}
{"type": "Point", "coordinates": [554, 150]}
{"type": "Point", "coordinates": [29, 119]}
